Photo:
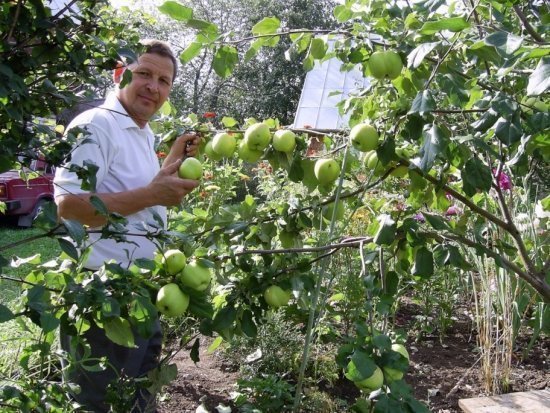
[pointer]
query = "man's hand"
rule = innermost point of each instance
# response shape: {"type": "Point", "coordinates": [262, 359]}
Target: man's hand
{"type": "Point", "coordinates": [167, 188]}
{"type": "Point", "coordinates": [184, 146]}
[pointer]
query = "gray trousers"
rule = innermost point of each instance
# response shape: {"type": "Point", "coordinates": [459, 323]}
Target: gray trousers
{"type": "Point", "coordinates": [131, 362]}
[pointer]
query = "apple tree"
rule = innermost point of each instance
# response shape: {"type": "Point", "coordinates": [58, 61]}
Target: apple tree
{"type": "Point", "coordinates": [458, 106]}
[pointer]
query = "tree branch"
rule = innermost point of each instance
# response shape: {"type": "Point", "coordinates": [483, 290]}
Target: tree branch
{"type": "Point", "coordinates": [527, 25]}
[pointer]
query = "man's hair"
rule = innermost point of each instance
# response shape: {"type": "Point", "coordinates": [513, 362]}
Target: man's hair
{"type": "Point", "coordinates": [161, 48]}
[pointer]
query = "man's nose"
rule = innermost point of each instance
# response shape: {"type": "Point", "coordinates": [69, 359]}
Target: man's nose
{"type": "Point", "coordinates": [153, 85]}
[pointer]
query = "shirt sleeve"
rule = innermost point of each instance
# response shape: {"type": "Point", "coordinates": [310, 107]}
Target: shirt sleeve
{"type": "Point", "coordinates": [94, 148]}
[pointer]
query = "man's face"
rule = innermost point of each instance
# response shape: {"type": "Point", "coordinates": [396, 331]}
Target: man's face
{"type": "Point", "coordinates": [149, 88]}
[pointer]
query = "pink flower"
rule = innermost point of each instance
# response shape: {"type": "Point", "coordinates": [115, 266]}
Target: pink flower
{"type": "Point", "coordinates": [452, 210]}
{"type": "Point", "coordinates": [419, 217]}
{"type": "Point", "coordinates": [504, 181]}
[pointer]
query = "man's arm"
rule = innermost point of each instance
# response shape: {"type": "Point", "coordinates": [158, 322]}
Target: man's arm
{"type": "Point", "coordinates": [165, 189]}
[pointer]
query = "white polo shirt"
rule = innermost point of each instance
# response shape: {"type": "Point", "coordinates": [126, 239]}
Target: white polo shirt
{"type": "Point", "coordinates": [126, 158]}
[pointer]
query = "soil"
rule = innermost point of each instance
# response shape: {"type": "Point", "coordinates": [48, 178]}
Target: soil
{"type": "Point", "coordinates": [441, 372]}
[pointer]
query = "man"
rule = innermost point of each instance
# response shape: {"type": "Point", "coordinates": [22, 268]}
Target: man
{"type": "Point", "coordinates": [130, 182]}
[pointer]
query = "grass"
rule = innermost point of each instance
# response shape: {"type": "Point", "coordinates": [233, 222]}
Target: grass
{"type": "Point", "coordinates": [48, 249]}
{"type": "Point", "coordinates": [14, 337]}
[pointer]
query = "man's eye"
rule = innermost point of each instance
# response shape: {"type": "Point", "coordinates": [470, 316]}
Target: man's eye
{"type": "Point", "coordinates": [143, 74]}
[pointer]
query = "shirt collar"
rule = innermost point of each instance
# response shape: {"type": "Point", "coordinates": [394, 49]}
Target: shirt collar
{"type": "Point", "coordinates": [119, 113]}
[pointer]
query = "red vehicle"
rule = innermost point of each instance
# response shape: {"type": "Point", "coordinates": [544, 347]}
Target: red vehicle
{"type": "Point", "coordinates": [24, 199]}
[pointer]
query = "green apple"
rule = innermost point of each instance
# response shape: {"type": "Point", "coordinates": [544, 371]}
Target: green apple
{"type": "Point", "coordinates": [210, 153]}
{"type": "Point", "coordinates": [328, 211]}
{"type": "Point", "coordinates": [171, 301]}
{"type": "Point", "coordinates": [247, 154]}
{"type": "Point", "coordinates": [394, 374]}
{"type": "Point", "coordinates": [394, 65]}
{"type": "Point", "coordinates": [195, 276]}
{"type": "Point", "coordinates": [284, 140]}
{"type": "Point", "coordinates": [257, 136]}
{"type": "Point", "coordinates": [174, 261]}
{"type": "Point", "coordinates": [276, 297]}
{"type": "Point", "coordinates": [326, 171]}
{"type": "Point", "coordinates": [385, 64]}
{"type": "Point", "coordinates": [374, 382]}
{"type": "Point", "coordinates": [224, 144]}
{"type": "Point", "coordinates": [371, 162]}
{"type": "Point", "coordinates": [364, 137]}
{"type": "Point", "coordinates": [190, 168]}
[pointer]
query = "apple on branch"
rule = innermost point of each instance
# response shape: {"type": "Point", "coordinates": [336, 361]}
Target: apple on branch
{"type": "Point", "coordinates": [190, 168]}
{"type": "Point", "coordinates": [384, 64]}
{"type": "Point", "coordinates": [284, 140]}
{"type": "Point", "coordinates": [391, 373]}
{"type": "Point", "coordinates": [326, 171]}
{"type": "Point", "coordinates": [224, 144]}
{"type": "Point", "coordinates": [247, 154]}
{"type": "Point", "coordinates": [211, 153]}
{"type": "Point", "coordinates": [373, 382]}
{"type": "Point", "coordinates": [174, 261]}
{"type": "Point", "coordinates": [171, 301]}
{"type": "Point", "coordinates": [257, 136]}
{"type": "Point", "coordinates": [276, 297]}
{"type": "Point", "coordinates": [196, 276]}
{"type": "Point", "coordinates": [364, 137]}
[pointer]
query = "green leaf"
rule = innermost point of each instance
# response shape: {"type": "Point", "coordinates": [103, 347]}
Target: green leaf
{"type": "Point", "coordinates": [268, 25]}
{"type": "Point", "coordinates": [342, 13]}
{"type": "Point", "coordinates": [435, 143]}
{"type": "Point", "coordinates": [215, 344]}
{"type": "Point", "coordinates": [505, 43]}
{"type": "Point", "coordinates": [99, 205]}
{"type": "Point", "coordinates": [539, 80]}
{"type": "Point", "coordinates": [194, 353]}
{"type": "Point", "coordinates": [176, 10]}
{"type": "Point", "coordinates": [225, 60]}
{"type": "Point", "coordinates": [48, 322]}
{"type": "Point", "coordinates": [229, 122]}
{"type": "Point", "coordinates": [253, 50]}
{"type": "Point", "coordinates": [318, 48]}
{"type": "Point", "coordinates": [453, 24]}
{"type": "Point", "coordinates": [415, 58]}
{"type": "Point", "coordinates": [423, 103]}
{"type": "Point", "coordinates": [75, 229]}
{"type": "Point", "coordinates": [248, 325]}
{"type": "Point", "coordinates": [119, 331]}
{"type": "Point", "coordinates": [423, 263]}
{"type": "Point", "coordinates": [386, 231]}
{"type": "Point", "coordinates": [224, 319]}
{"type": "Point", "coordinates": [508, 132]}
{"type": "Point", "coordinates": [68, 248]}
{"type": "Point", "coordinates": [360, 367]}
{"type": "Point", "coordinates": [5, 314]}
{"type": "Point", "coordinates": [190, 52]}
{"type": "Point", "coordinates": [436, 221]}
{"type": "Point", "coordinates": [207, 28]}
{"type": "Point", "coordinates": [476, 176]}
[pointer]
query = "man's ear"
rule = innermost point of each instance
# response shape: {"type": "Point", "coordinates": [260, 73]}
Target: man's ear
{"type": "Point", "coordinates": [118, 72]}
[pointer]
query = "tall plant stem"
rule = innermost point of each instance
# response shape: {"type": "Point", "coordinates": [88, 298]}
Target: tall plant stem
{"type": "Point", "coordinates": [315, 299]}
